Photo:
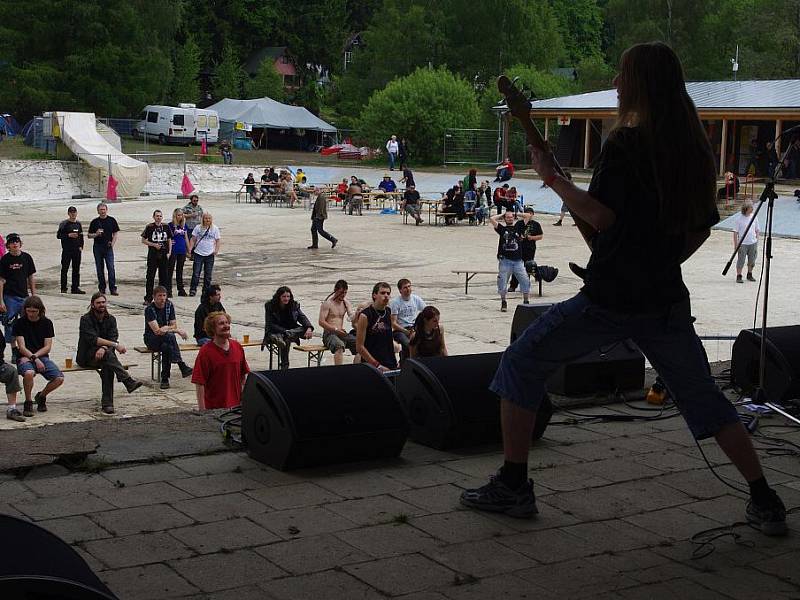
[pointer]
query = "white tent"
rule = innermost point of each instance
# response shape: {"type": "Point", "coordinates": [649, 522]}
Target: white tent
{"type": "Point", "coordinates": [266, 112]}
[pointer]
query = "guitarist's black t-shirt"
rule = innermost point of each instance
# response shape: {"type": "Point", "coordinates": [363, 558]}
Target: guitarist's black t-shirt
{"type": "Point", "coordinates": [635, 263]}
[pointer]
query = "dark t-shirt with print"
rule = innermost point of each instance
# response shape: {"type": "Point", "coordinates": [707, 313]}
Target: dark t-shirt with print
{"type": "Point", "coordinates": [509, 245]}
{"type": "Point", "coordinates": [157, 234]}
{"type": "Point", "coordinates": [529, 246]}
{"type": "Point", "coordinates": [109, 226]}
{"type": "Point", "coordinates": [635, 264]}
{"type": "Point", "coordinates": [16, 270]}
{"type": "Point", "coordinates": [34, 332]}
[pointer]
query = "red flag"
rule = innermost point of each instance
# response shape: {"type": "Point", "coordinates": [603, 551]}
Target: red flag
{"type": "Point", "coordinates": [111, 188]}
{"type": "Point", "coordinates": [203, 147]}
{"type": "Point", "coordinates": [186, 185]}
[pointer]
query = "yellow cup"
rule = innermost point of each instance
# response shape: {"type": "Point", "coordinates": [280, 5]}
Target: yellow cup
{"type": "Point", "coordinates": [246, 338]}
{"type": "Point", "coordinates": [68, 363]}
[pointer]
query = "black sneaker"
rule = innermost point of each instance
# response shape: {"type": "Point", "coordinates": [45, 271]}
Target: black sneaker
{"type": "Point", "coordinates": [13, 414]}
{"type": "Point", "coordinates": [164, 385]}
{"type": "Point", "coordinates": [750, 277]}
{"type": "Point", "coordinates": [769, 518]}
{"type": "Point", "coordinates": [503, 306]}
{"type": "Point", "coordinates": [496, 496]}
{"type": "Point", "coordinates": [186, 370]}
{"type": "Point", "coordinates": [132, 385]}
{"type": "Point", "coordinates": [63, 290]}
{"type": "Point", "coordinates": [77, 291]}
{"type": "Point", "coordinates": [192, 293]}
{"type": "Point", "coordinates": [182, 293]}
{"type": "Point", "coordinates": [108, 409]}
{"type": "Point", "coordinates": [114, 292]}
{"type": "Point", "coordinates": [557, 224]}
{"type": "Point", "coordinates": [41, 402]}
{"type": "Point", "coordinates": [27, 408]}
{"type": "Point", "coordinates": [333, 243]}
{"type": "Point", "coordinates": [739, 279]}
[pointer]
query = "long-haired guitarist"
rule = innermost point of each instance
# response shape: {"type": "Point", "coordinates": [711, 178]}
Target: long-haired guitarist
{"type": "Point", "coordinates": [649, 207]}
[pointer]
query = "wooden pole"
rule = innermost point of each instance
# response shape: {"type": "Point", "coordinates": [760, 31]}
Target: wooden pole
{"type": "Point", "coordinates": [723, 148]}
{"type": "Point", "coordinates": [546, 129]}
{"type": "Point", "coordinates": [778, 132]}
{"type": "Point", "coordinates": [586, 143]}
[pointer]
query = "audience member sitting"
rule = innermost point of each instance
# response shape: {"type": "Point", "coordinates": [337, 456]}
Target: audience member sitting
{"type": "Point", "coordinates": [284, 324]}
{"type": "Point", "coordinates": [410, 203]}
{"type": "Point", "coordinates": [210, 301]}
{"type": "Point", "coordinates": [505, 170]}
{"type": "Point", "coordinates": [331, 319]}
{"type": "Point", "coordinates": [160, 327]}
{"type": "Point", "coordinates": [374, 330]}
{"type": "Point", "coordinates": [341, 191]}
{"type": "Point", "coordinates": [388, 184]}
{"type": "Point", "coordinates": [427, 337]}
{"type": "Point", "coordinates": [405, 309]}
{"type": "Point", "coordinates": [731, 187]}
{"type": "Point", "coordinates": [512, 200]}
{"type": "Point", "coordinates": [9, 376]}
{"type": "Point", "coordinates": [34, 334]}
{"type": "Point", "coordinates": [354, 198]}
{"type": "Point", "coordinates": [98, 344]}
{"type": "Point", "coordinates": [287, 188]}
{"type": "Point", "coordinates": [225, 151]}
{"type": "Point", "coordinates": [300, 177]}
{"type": "Point", "coordinates": [501, 199]}
{"type": "Point", "coordinates": [267, 182]}
{"type": "Point", "coordinates": [250, 187]}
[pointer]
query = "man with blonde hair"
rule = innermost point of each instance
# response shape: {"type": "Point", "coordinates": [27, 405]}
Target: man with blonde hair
{"type": "Point", "coordinates": [221, 368]}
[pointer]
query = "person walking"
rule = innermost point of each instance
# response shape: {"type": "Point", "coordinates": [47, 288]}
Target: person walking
{"type": "Point", "coordinates": [748, 251]}
{"type": "Point", "coordinates": [640, 230]}
{"type": "Point", "coordinates": [70, 232]}
{"type": "Point", "coordinates": [204, 246]}
{"type": "Point", "coordinates": [319, 213]}
{"type": "Point", "coordinates": [103, 229]}
{"type": "Point", "coordinates": [220, 369]}
{"type": "Point", "coordinates": [392, 150]}
{"type": "Point", "coordinates": [180, 245]}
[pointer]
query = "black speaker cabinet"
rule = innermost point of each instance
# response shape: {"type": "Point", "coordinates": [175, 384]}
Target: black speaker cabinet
{"type": "Point", "coordinates": [782, 370]}
{"type": "Point", "coordinates": [321, 415]}
{"type": "Point", "coordinates": [618, 367]}
{"type": "Point", "coordinates": [53, 571]}
{"type": "Point", "coordinates": [449, 403]}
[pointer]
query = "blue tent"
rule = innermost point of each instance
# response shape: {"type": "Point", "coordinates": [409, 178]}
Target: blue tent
{"type": "Point", "coordinates": [9, 125]}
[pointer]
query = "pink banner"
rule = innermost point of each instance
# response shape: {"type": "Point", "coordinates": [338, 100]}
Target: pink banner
{"type": "Point", "coordinates": [186, 185]}
{"type": "Point", "coordinates": [111, 188]}
{"type": "Point", "coordinates": [203, 147]}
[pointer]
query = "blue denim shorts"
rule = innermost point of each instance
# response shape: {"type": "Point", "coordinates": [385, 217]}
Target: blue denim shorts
{"type": "Point", "coordinates": [571, 329]}
{"type": "Point", "coordinates": [51, 370]}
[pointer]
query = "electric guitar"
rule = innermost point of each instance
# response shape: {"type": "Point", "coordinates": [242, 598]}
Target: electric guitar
{"type": "Point", "coordinates": [519, 105]}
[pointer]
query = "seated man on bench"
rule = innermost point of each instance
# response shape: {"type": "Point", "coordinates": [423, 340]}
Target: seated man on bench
{"type": "Point", "coordinates": [411, 203]}
{"type": "Point", "coordinates": [10, 377]}
{"type": "Point", "coordinates": [97, 347]}
{"type": "Point", "coordinates": [331, 319]}
{"type": "Point", "coordinates": [284, 324]}
{"type": "Point", "coordinates": [160, 327]}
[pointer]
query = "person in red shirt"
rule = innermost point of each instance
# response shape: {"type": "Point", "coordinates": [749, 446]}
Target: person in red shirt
{"type": "Point", "coordinates": [505, 170]}
{"type": "Point", "coordinates": [221, 368]}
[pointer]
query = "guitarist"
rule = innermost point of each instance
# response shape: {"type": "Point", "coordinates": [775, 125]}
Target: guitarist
{"type": "Point", "coordinates": [649, 207]}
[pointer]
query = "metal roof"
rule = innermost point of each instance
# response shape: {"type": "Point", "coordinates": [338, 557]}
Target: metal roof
{"type": "Point", "coordinates": [767, 95]}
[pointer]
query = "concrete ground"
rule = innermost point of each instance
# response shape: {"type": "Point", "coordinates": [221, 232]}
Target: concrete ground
{"type": "Point", "coordinates": [168, 516]}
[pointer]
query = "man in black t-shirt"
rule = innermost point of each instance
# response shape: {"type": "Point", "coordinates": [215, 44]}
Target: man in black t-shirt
{"type": "Point", "coordinates": [509, 254]}
{"type": "Point", "coordinates": [70, 232]}
{"type": "Point", "coordinates": [103, 230]}
{"type": "Point", "coordinates": [411, 203]}
{"type": "Point", "coordinates": [374, 340]}
{"type": "Point", "coordinates": [160, 327]}
{"type": "Point", "coordinates": [158, 239]}
{"type": "Point", "coordinates": [533, 233]}
{"type": "Point", "coordinates": [34, 333]}
{"type": "Point", "coordinates": [16, 277]}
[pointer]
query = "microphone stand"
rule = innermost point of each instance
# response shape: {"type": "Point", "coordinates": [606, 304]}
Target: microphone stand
{"type": "Point", "coordinates": [767, 197]}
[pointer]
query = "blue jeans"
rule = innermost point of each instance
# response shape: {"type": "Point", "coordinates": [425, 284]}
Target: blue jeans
{"type": "Point", "coordinates": [392, 159]}
{"type": "Point", "coordinates": [167, 344]}
{"type": "Point", "coordinates": [105, 254]}
{"type": "Point", "coordinates": [206, 264]}
{"type": "Point", "coordinates": [202, 341]}
{"type": "Point", "coordinates": [505, 269]}
{"type": "Point", "coordinates": [13, 307]}
{"type": "Point", "coordinates": [576, 326]}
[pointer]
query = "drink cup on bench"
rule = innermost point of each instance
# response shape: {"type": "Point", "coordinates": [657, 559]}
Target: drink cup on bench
{"type": "Point", "coordinates": [68, 363]}
{"type": "Point", "coordinates": [246, 338]}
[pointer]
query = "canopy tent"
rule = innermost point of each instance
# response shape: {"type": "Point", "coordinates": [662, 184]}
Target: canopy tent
{"type": "Point", "coordinates": [8, 124]}
{"type": "Point", "coordinates": [268, 113]}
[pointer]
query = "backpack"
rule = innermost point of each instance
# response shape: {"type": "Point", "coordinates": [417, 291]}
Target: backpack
{"type": "Point", "coordinates": [546, 273]}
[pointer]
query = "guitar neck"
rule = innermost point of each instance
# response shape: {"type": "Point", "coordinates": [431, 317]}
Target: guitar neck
{"type": "Point", "coordinates": [535, 139]}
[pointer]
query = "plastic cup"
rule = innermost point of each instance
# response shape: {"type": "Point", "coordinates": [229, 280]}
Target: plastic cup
{"type": "Point", "coordinates": [246, 338]}
{"type": "Point", "coordinates": [68, 363]}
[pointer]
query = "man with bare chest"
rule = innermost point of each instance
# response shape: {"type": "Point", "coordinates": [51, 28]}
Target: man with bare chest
{"type": "Point", "coordinates": [331, 319]}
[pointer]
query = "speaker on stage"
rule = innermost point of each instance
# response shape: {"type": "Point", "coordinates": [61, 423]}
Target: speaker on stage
{"type": "Point", "coordinates": [449, 403]}
{"type": "Point", "coordinates": [321, 415]}
{"type": "Point", "coordinates": [782, 370]}
{"type": "Point", "coordinates": [617, 367]}
{"type": "Point", "coordinates": [44, 567]}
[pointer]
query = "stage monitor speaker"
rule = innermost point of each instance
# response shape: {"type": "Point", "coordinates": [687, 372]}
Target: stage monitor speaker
{"type": "Point", "coordinates": [782, 370]}
{"type": "Point", "coordinates": [52, 569]}
{"type": "Point", "coordinates": [321, 415]}
{"type": "Point", "coordinates": [617, 367]}
{"type": "Point", "coordinates": [449, 403]}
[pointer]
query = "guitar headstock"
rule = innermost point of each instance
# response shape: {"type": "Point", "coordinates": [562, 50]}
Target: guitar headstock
{"type": "Point", "coordinates": [516, 100]}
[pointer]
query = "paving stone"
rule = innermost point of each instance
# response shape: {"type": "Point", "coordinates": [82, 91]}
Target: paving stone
{"type": "Point", "coordinates": [613, 536]}
{"type": "Point", "coordinates": [670, 462]}
{"type": "Point", "coordinates": [391, 575]}
{"type": "Point", "coordinates": [565, 478]}
{"type": "Point", "coordinates": [732, 584]}
{"type": "Point", "coordinates": [460, 526]}
{"type": "Point", "coordinates": [622, 469]}
{"type": "Point", "coordinates": [141, 519]}
{"type": "Point", "coordinates": [328, 585]}
{"type": "Point", "coordinates": [382, 541]}
{"type": "Point", "coordinates": [218, 508]}
{"type": "Point", "coordinates": [375, 510]}
{"type": "Point", "coordinates": [576, 579]}
{"type": "Point", "coordinates": [440, 498]}
{"type": "Point", "coordinates": [424, 476]}
{"type": "Point", "coordinates": [360, 485]}
{"type": "Point", "coordinates": [631, 562]}
{"type": "Point", "coordinates": [135, 550]}
{"type": "Point", "coordinates": [75, 529]}
{"type": "Point", "coordinates": [783, 566]}
{"type": "Point", "coordinates": [248, 592]}
{"type": "Point", "coordinates": [483, 560]}
{"type": "Point", "coordinates": [294, 496]}
{"type": "Point", "coordinates": [94, 564]}
{"type": "Point", "coordinates": [303, 522]}
{"type": "Point", "coordinates": [68, 484]}
{"type": "Point", "coordinates": [145, 447]}
{"type": "Point", "coordinates": [414, 453]}
{"type": "Point", "coordinates": [223, 535]}
{"type": "Point", "coordinates": [223, 462]}
{"type": "Point", "coordinates": [311, 554]}
{"type": "Point", "coordinates": [80, 503]}
{"type": "Point", "coordinates": [672, 523]}
{"type": "Point", "coordinates": [46, 472]}
{"type": "Point", "coordinates": [141, 495]}
{"type": "Point", "coordinates": [148, 473]}
{"type": "Point", "coordinates": [549, 517]}
{"type": "Point", "coordinates": [507, 587]}
{"type": "Point", "coordinates": [675, 588]}
{"type": "Point", "coordinates": [680, 437]}
{"type": "Point", "coordinates": [723, 509]}
{"type": "Point", "coordinates": [572, 434]}
{"type": "Point", "coordinates": [214, 572]}
{"type": "Point", "coordinates": [699, 484]}
{"type": "Point", "coordinates": [423, 596]}
{"type": "Point", "coordinates": [148, 582]}
{"type": "Point", "coordinates": [549, 546]}
{"type": "Point", "coordinates": [215, 484]}
{"type": "Point", "coordinates": [267, 476]}
{"type": "Point", "coordinates": [619, 447]}
{"type": "Point", "coordinates": [14, 491]}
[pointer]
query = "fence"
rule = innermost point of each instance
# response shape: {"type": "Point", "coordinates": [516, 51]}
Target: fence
{"type": "Point", "coordinates": [121, 126]}
{"type": "Point", "coordinates": [472, 147]}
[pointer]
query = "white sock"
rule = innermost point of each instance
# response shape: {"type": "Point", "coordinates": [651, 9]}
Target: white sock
{"type": "Point", "coordinates": [11, 406]}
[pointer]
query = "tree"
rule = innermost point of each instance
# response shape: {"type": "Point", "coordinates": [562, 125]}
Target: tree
{"type": "Point", "coordinates": [594, 74]}
{"type": "Point", "coordinates": [185, 87]}
{"type": "Point", "coordinates": [228, 75]}
{"type": "Point", "coordinates": [420, 107]}
{"type": "Point", "coordinates": [267, 82]}
{"type": "Point", "coordinates": [580, 23]}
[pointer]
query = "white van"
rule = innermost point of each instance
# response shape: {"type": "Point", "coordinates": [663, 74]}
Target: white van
{"type": "Point", "coordinates": [206, 123]}
{"type": "Point", "coordinates": [168, 124]}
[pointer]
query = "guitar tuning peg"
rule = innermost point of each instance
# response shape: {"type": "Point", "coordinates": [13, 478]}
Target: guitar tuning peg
{"type": "Point", "coordinates": [531, 95]}
{"type": "Point", "coordinates": [514, 81]}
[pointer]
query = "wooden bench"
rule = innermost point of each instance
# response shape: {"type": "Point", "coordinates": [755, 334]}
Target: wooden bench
{"type": "Point", "coordinates": [155, 355]}
{"type": "Point", "coordinates": [313, 352]}
{"type": "Point", "coordinates": [444, 216]}
{"type": "Point", "coordinates": [211, 158]}
{"type": "Point", "coordinates": [75, 368]}
{"type": "Point", "coordinates": [468, 275]}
